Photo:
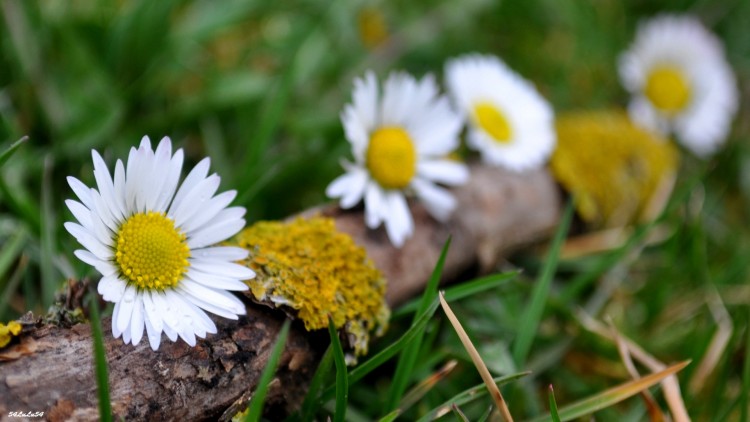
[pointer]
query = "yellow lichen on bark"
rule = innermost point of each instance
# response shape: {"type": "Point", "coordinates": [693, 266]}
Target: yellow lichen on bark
{"type": "Point", "coordinates": [309, 266]}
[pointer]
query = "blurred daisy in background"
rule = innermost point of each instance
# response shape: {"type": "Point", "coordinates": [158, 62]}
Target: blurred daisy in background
{"type": "Point", "coordinates": [151, 241]}
{"type": "Point", "coordinates": [400, 139]}
{"type": "Point", "coordinates": [510, 123]}
{"type": "Point", "coordinates": [681, 82]}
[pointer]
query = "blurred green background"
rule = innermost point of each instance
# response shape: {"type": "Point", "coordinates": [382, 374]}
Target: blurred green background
{"type": "Point", "coordinates": [258, 87]}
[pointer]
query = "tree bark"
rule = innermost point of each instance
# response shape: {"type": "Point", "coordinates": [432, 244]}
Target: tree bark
{"type": "Point", "coordinates": [51, 368]}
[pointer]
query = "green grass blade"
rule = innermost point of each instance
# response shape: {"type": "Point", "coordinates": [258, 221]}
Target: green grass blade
{"type": "Point", "coordinates": [50, 277]}
{"type": "Point", "coordinates": [391, 416]}
{"type": "Point", "coordinates": [553, 405]}
{"type": "Point", "coordinates": [374, 362]}
{"type": "Point", "coordinates": [467, 396]}
{"type": "Point", "coordinates": [11, 250]}
{"type": "Point", "coordinates": [255, 408]}
{"type": "Point", "coordinates": [408, 357]}
{"type": "Point", "coordinates": [613, 395]}
{"type": "Point", "coordinates": [100, 360]}
{"type": "Point", "coordinates": [342, 376]}
{"type": "Point", "coordinates": [312, 401]}
{"type": "Point", "coordinates": [5, 155]}
{"type": "Point", "coordinates": [462, 291]}
{"type": "Point", "coordinates": [529, 321]}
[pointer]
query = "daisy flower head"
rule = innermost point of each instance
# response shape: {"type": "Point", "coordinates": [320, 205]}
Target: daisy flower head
{"type": "Point", "coordinates": [151, 239]}
{"type": "Point", "coordinates": [680, 82]}
{"type": "Point", "coordinates": [509, 122]}
{"type": "Point", "coordinates": [400, 137]}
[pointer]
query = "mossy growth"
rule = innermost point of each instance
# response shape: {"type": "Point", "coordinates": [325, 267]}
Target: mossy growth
{"type": "Point", "coordinates": [309, 266]}
{"type": "Point", "coordinates": [615, 170]}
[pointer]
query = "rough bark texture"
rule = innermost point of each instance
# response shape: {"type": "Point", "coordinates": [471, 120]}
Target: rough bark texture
{"type": "Point", "coordinates": [51, 369]}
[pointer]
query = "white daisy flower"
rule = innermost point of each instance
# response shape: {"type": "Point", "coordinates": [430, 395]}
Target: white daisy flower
{"type": "Point", "coordinates": [151, 241]}
{"type": "Point", "coordinates": [510, 123]}
{"type": "Point", "coordinates": [400, 141]}
{"type": "Point", "coordinates": [680, 82]}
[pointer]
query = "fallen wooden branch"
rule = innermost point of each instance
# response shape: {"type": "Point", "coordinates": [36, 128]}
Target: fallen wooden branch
{"type": "Point", "coordinates": [52, 367]}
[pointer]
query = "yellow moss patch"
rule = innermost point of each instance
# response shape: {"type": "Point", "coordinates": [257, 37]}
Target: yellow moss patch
{"type": "Point", "coordinates": [613, 168]}
{"type": "Point", "coordinates": [7, 331]}
{"type": "Point", "coordinates": [309, 266]}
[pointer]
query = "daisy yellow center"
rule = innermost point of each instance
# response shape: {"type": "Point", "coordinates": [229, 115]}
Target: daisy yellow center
{"type": "Point", "coordinates": [668, 89]}
{"type": "Point", "coordinates": [391, 157]}
{"type": "Point", "coordinates": [151, 252]}
{"type": "Point", "coordinates": [493, 121]}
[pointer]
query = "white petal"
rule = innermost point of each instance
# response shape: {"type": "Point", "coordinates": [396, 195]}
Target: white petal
{"type": "Point", "coordinates": [170, 332]}
{"type": "Point", "coordinates": [222, 269]}
{"type": "Point", "coordinates": [85, 238]}
{"type": "Point", "coordinates": [111, 288]}
{"type": "Point", "coordinates": [126, 308]}
{"type": "Point", "coordinates": [227, 253]}
{"type": "Point", "coordinates": [153, 315]}
{"type": "Point", "coordinates": [82, 191]}
{"type": "Point", "coordinates": [170, 182]}
{"type": "Point", "coordinates": [438, 201]}
{"type": "Point", "coordinates": [215, 233]}
{"type": "Point", "coordinates": [195, 199]}
{"type": "Point", "coordinates": [444, 171]}
{"type": "Point", "coordinates": [350, 187]}
{"type": "Point", "coordinates": [374, 203]}
{"type": "Point", "coordinates": [210, 307]}
{"type": "Point", "coordinates": [105, 184]}
{"type": "Point", "coordinates": [119, 189]}
{"type": "Point", "coordinates": [196, 175]}
{"type": "Point", "coordinates": [398, 223]}
{"type": "Point", "coordinates": [104, 267]}
{"type": "Point", "coordinates": [136, 322]}
{"type": "Point", "coordinates": [185, 328]}
{"type": "Point", "coordinates": [80, 212]}
{"type": "Point", "coordinates": [154, 336]}
{"type": "Point", "coordinates": [207, 212]}
{"type": "Point", "coordinates": [216, 282]}
{"type": "Point", "coordinates": [116, 332]}
{"type": "Point", "coordinates": [216, 297]}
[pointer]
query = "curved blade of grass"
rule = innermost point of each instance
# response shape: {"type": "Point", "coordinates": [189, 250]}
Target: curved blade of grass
{"type": "Point", "coordinates": [100, 361]}
{"type": "Point", "coordinates": [463, 290]}
{"type": "Point", "coordinates": [529, 321]}
{"type": "Point", "coordinates": [613, 395]}
{"type": "Point", "coordinates": [5, 155]}
{"type": "Point", "coordinates": [459, 414]}
{"type": "Point", "coordinates": [408, 358]}
{"type": "Point", "coordinates": [374, 362]}
{"type": "Point", "coordinates": [553, 405]}
{"type": "Point", "coordinates": [312, 402]}
{"type": "Point", "coordinates": [255, 408]}
{"type": "Point", "coordinates": [342, 376]}
{"type": "Point", "coordinates": [467, 396]}
{"type": "Point", "coordinates": [416, 393]}
{"type": "Point", "coordinates": [497, 397]}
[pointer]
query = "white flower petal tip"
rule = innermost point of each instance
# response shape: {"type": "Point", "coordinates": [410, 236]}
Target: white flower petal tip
{"type": "Point", "coordinates": [400, 137]}
{"type": "Point", "coordinates": [680, 82]}
{"type": "Point", "coordinates": [151, 239]}
{"type": "Point", "coordinates": [509, 122]}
